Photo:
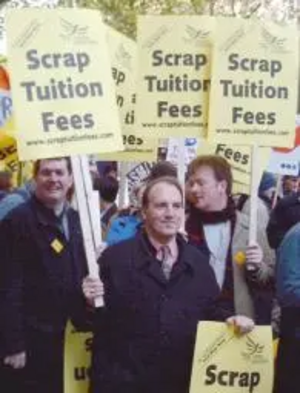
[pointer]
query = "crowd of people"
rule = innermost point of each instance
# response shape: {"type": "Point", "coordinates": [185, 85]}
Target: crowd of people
{"type": "Point", "coordinates": [172, 258]}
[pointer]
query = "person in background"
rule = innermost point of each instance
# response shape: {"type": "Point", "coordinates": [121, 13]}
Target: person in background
{"type": "Point", "coordinates": [5, 183]}
{"type": "Point", "coordinates": [157, 288]}
{"type": "Point", "coordinates": [245, 273]}
{"type": "Point", "coordinates": [267, 188]}
{"type": "Point", "coordinates": [287, 375]}
{"type": "Point", "coordinates": [283, 217]}
{"type": "Point", "coordinates": [15, 198]}
{"type": "Point", "coordinates": [290, 185]}
{"type": "Point", "coordinates": [286, 213]}
{"type": "Point", "coordinates": [111, 170]}
{"type": "Point", "coordinates": [41, 270]}
{"type": "Point", "coordinates": [161, 169]}
{"type": "Point", "coordinates": [128, 221]}
{"type": "Point", "coordinates": [108, 188]}
{"type": "Point", "coordinates": [266, 194]}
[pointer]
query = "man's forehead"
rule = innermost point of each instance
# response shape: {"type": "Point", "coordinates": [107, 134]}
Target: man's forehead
{"type": "Point", "coordinates": [53, 164]}
{"type": "Point", "coordinates": [164, 191]}
{"type": "Point", "coordinates": [203, 170]}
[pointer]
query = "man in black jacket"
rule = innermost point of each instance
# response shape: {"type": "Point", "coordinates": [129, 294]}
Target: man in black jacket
{"type": "Point", "coordinates": [157, 288]}
{"type": "Point", "coordinates": [41, 269]}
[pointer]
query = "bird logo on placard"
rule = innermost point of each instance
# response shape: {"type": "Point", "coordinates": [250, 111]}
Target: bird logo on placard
{"type": "Point", "coordinates": [271, 42]}
{"type": "Point", "coordinates": [253, 348]}
{"type": "Point", "coordinates": [73, 30]}
{"type": "Point", "coordinates": [124, 57]}
{"type": "Point", "coordinates": [195, 35]}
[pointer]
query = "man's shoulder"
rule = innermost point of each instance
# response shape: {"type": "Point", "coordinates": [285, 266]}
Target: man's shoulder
{"type": "Point", "coordinates": [293, 233]}
{"type": "Point", "coordinates": [288, 201]}
{"type": "Point", "coordinates": [73, 213]}
{"type": "Point", "coordinates": [19, 211]}
{"type": "Point", "coordinates": [121, 248]}
{"type": "Point", "coordinates": [193, 255]}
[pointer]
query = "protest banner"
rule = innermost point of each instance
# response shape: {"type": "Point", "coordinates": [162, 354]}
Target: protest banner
{"type": "Point", "coordinates": [123, 57]}
{"type": "Point", "coordinates": [286, 161]}
{"type": "Point", "coordinates": [77, 360]}
{"type": "Point", "coordinates": [18, 4]}
{"type": "Point", "coordinates": [225, 362]}
{"type": "Point", "coordinates": [239, 158]}
{"type": "Point", "coordinates": [137, 175]}
{"type": "Point", "coordinates": [255, 70]}
{"type": "Point", "coordinates": [8, 154]}
{"type": "Point", "coordinates": [6, 107]}
{"type": "Point", "coordinates": [8, 149]}
{"type": "Point", "coordinates": [174, 56]}
{"type": "Point", "coordinates": [190, 150]}
{"type": "Point", "coordinates": [60, 92]}
{"type": "Point", "coordinates": [240, 188]}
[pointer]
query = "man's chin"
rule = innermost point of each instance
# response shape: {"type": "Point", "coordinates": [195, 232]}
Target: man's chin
{"type": "Point", "coordinates": [170, 233]}
{"type": "Point", "coordinates": [199, 205]}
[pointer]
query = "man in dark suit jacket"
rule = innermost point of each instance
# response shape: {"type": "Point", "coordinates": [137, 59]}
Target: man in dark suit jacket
{"type": "Point", "coordinates": [157, 288]}
{"type": "Point", "coordinates": [41, 269]}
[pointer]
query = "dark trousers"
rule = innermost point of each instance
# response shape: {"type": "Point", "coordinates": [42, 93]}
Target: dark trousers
{"type": "Point", "coordinates": [44, 366]}
{"type": "Point", "coordinates": [10, 380]}
{"type": "Point", "coordinates": [287, 372]}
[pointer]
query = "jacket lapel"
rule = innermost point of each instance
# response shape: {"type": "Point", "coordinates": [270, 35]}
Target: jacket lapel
{"type": "Point", "coordinates": [154, 270]}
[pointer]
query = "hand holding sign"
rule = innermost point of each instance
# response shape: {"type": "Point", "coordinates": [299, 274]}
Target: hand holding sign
{"type": "Point", "coordinates": [226, 362]}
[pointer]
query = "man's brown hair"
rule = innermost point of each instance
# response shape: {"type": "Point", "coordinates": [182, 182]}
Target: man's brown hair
{"type": "Point", "coordinates": [172, 181]}
{"type": "Point", "coordinates": [37, 164]}
{"type": "Point", "coordinates": [220, 167]}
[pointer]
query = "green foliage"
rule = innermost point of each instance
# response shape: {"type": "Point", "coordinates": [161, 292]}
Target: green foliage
{"type": "Point", "coordinates": [122, 14]}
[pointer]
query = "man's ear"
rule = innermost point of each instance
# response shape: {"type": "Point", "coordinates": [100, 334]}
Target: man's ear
{"type": "Point", "coordinates": [223, 186]}
{"type": "Point", "coordinates": [143, 213]}
{"type": "Point", "coordinates": [71, 180]}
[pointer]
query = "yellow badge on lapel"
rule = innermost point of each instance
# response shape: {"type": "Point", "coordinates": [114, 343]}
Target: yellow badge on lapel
{"type": "Point", "coordinates": [57, 246]}
{"type": "Point", "coordinates": [240, 258]}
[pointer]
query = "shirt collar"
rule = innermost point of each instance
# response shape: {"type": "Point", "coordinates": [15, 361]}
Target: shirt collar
{"type": "Point", "coordinates": [47, 215]}
{"type": "Point", "coordinates": [172, 245]}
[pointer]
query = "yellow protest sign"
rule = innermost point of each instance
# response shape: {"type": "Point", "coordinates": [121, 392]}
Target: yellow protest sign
{"type": "Point", "coordinates": [240, 188]}
{"type": "Point", "coordinates": [224, 362]}
{"type": "Point", "coordinates": [6, 108]}
{"type": "Point", "coordinates": [123, 51]}
{"type": "Point", "coordinates": [136, 149]}
{"type": "Point", "coordinates": [174, 55]}
{"type": "Point", "coordinates": [123, 56]}
{"type": "Point", "coordinates": [62, 87]}
{"type": "Point", "coordinates": [239, 157]}
{"type": "Point", "coordinates": [8, 152]}
{"type": "Point", "coordinates": [77, 360]}
{"type": "Point", "coordinates": [253, 96]}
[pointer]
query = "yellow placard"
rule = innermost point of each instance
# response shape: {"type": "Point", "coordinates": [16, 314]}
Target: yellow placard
{"type": "Point", "coordinates": [239, 157]}
{"type": "Point", "coordinates": [77, 360]}
{"type": "Point", "coordinates": [8, 152]}
{"type": "Point", "coordinates": [240, 188]}
{"type": "Point", "coordinates": [123, 55]}
{"type": "Point", "coordinates": [6, 108]}
{"type": "Point", "coordinates": [137, 149]}
{"type": "Point", "coordinates": [225, 362]}
{"type": "Point", "coordinates": [174, 56]}
{"type": "Point", "coordinates": [123, 58]}
{"type": "Point", "coordinates": [61, 82]}
{"type": "Point", "coordinates": [255, 70]}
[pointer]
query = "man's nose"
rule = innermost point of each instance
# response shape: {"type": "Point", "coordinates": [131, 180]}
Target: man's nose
{"type": "Point", "coordinates": [169, 211]}
{"type": "Point", "coordinates": [53, 176]}
{"type": "Point", "coordinates": [194, 187]}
